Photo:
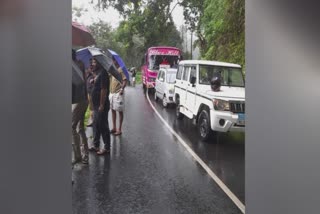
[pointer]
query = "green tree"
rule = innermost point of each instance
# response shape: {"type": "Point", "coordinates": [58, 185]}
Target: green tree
{"type": "Point", "coordinates": [193, 13]}
{"type": "Point", "coordinates": [77, 12]}
{"type": "Point", "coordinates": [224, 30]}
{"type": "Point", "coordinates": [219, 25]}
{"type": "Point", "coordinates": [151, 20]}
{"type": "Point", "coordinates": [125, 7]}
{"type": "Point", "coordinates": [105, 36]}
{"type": "Point", "coordinates": [132, 44]}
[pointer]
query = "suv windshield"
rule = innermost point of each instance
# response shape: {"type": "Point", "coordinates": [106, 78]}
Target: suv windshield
{"type": "Point", "coordinates": [230, 76]}
{"type": "Point", "coordinates": [171, 77]}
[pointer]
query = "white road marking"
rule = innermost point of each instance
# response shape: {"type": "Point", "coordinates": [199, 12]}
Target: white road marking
{"type": "Point", "coordinates": [230, 194]}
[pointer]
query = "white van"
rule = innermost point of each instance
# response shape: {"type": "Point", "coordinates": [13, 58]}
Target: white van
{"type": "Point", "coordinates": [164, 88]}
{"type": "Point", "coordinates": [212, 111]}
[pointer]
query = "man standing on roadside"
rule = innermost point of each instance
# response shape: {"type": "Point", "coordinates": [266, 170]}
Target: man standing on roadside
{"type": "Point", "coordinates": [117, 100]}
{"type": "Point", "coordinates": [78, 114]}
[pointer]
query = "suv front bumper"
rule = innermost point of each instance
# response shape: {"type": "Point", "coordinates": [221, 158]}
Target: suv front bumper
{"type": "Point", "coordinates": [226, 122]}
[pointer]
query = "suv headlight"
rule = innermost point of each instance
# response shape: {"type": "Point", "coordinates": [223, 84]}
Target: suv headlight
{"type": "Point", "coordinates": [221, 105]}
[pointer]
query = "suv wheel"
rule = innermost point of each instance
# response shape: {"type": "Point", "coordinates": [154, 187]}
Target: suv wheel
{"type": "Point", "coordinates": [155, 96]}
{"type": "Point", "coordinates": [204, 127]}
{"type": "Point", "coordinates": [144, 88]}
{"type": "Point", "coordinates": [164, 101]}
{"type": "Point", "coordinates": [179, 115]}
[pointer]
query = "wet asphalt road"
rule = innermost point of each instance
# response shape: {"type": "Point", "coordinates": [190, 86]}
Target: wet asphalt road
{"type": "Point", "coordinates": [148, 171]}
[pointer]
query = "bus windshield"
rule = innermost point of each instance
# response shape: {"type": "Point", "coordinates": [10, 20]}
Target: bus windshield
{"type": "Point", "coordinates": [156, 60]}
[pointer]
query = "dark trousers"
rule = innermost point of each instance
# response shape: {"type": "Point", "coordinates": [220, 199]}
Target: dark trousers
{"type": "Point", "coordinates": [101, 127]}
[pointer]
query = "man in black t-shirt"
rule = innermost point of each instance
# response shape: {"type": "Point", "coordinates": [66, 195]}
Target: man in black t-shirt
{"type": "Point", "coordinates": [101, 107]}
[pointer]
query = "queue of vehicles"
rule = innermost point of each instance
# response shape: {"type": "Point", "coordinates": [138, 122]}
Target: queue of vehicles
{"type": "Point", "coordinates": [156, 58]}
{"type": "Point", "coordinates": [189, 85]}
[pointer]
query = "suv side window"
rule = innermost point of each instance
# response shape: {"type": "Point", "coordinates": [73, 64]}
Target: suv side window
{"type": "Point", "coordinates": [162, 75]}
{"type": "Point", "coordinates": [159, 75]}
{"type": "Point", "coordinates": [193, 72]}
{"type": "Point", "coordinates": [203, 74]}
{"type": "Point", "coordinates": [186, 73]}
{"type": "Point", "coordinates": [179, 73]}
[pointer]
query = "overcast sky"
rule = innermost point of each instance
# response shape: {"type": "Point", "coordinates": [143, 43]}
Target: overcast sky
{"type": "Point", "coordinates": [113, 17]}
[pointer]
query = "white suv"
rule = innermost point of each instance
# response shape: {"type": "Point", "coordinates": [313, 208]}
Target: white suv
{"type": "Point", "coordinates": [164, 88]}
{"type": "Point", "coordinates": [212, 111]}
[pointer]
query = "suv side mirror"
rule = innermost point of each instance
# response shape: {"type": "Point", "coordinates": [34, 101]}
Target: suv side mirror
{"type": "Point", "coordinates": [193, 80]}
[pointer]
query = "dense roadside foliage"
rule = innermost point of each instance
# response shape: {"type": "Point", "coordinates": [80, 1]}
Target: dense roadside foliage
{"type": "Point", "coordinates": [220, 27]}
{"type": "Point", "coordinates": [218, 24]}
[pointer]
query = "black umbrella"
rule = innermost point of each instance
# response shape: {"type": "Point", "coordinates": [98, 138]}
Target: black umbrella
{"type": "Point", "coordinates": [105, 59]}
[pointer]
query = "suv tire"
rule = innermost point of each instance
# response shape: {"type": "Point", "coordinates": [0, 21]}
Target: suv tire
{"type": "Point", "coordinates": [204, 127]}
{"type": "Point", "coordinates": [155, 96]}
{"type": "Point", "coordinates": [164, 101]}
{"type": "Point", "coordinates": [179, 115]}
{"type": "Point", "coordinates": [144, 88]}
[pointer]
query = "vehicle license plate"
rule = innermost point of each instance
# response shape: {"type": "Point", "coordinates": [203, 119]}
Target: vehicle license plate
{"type": "Point", "coordinates": [241, 119]}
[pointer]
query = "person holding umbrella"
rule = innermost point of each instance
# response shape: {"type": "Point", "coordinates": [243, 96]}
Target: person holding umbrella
{"type": "Point", "coordinates": [78, 113]}
{"type": "Point", "coordinates": [81, 36]}
{"type": "Point", "coordinates": [117, 99]}
{"type": "Point", "coordinates": [101, 106]}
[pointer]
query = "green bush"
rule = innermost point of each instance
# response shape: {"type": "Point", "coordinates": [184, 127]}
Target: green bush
{"type": "Point", "coordinates": [138, 78]}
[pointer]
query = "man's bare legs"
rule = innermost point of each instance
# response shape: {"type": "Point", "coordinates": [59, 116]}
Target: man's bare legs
{"type": "Point", "coordinates": [114, 120]}
{"type": "Point", "coordinates": [121, 120]}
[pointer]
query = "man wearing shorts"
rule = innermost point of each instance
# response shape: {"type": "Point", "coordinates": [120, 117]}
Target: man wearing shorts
{"type": "Point", "coordinates": [117, 100]}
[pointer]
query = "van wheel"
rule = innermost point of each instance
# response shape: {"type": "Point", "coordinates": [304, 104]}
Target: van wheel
{"type": "Point", "coordinates": [144, 88]}
{"type": "Point", "coordinates": [179, 115]}
{"type": "Point", "coordinates": [155, 96]}
{"type": "Point", "coordinates": [204, 127]}
{"type": "Point", "coordinates": [164, 101]}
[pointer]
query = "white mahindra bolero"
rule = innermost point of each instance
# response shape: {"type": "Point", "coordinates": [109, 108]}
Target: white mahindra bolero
{"type": "Point", "coordinates": [212, 111]}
